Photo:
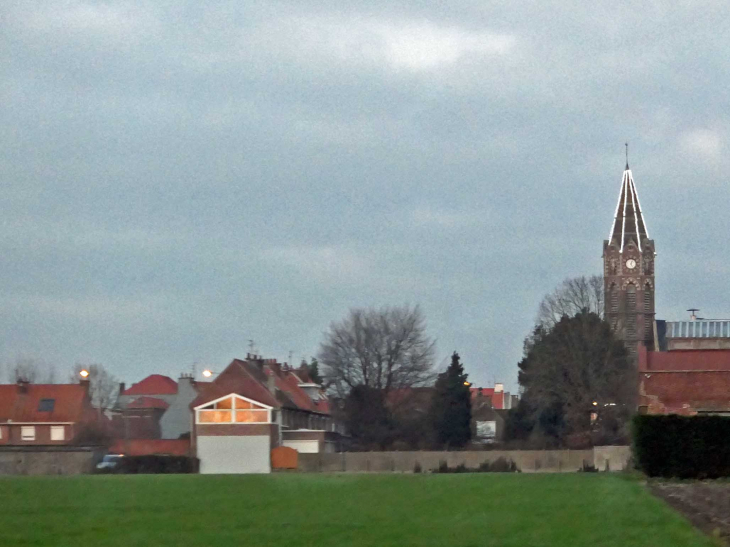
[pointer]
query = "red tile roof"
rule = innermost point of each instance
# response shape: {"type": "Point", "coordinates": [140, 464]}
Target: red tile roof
{"type": "Point", "coordinates": [239, 377]}
{"type": "Point", "coordinates": [71, 403]}
{"type": "Point", "coordinates": [155, 384]}
{"type": "Point", "coordinates": [250, 379]}
{"type": "Point", "coordinates": [146, 447]}
{"type": "Point", "coordinates": [148, 402]}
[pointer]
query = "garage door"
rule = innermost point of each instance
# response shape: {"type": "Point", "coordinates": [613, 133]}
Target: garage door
{"type": "Point", "coordinates": [239, 454]}
{"type": "Point", "coordinates": [303, 447]}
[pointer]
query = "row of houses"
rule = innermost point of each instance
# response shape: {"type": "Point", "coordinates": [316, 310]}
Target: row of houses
{"type": "Point", "coordinates": [231, 423]}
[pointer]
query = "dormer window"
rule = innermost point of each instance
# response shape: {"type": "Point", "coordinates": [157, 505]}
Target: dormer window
{"type": "Point", "coordinates": [46, 405]}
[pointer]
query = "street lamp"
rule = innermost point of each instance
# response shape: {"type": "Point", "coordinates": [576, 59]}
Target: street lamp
{"type": "Point", "coordinates": [84, 373]}
{"type": "Point", "coordinates": [208, 373]}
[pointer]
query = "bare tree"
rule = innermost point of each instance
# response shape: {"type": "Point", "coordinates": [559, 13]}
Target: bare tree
{"type": "Point", "coordinates": [103, 386]}
{"type": "Point", "coordinates": [384, 348]}
{"type": "Point", "coordinates": [32, 370]}
{"type": "Point", "coordinates": [572, 296]}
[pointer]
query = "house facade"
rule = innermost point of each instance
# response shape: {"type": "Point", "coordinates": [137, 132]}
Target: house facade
{"type": "Point", "coordinates": [45, 414]}
{"type": "Point", "coordinates": [253, 406]}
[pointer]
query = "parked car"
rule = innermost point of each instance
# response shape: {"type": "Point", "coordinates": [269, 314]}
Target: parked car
{"type": "Point", "coordinates": [109, 463]}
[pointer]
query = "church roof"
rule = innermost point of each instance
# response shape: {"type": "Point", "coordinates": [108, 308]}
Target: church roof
{"type": "Point", "coordinates": [628, 220]}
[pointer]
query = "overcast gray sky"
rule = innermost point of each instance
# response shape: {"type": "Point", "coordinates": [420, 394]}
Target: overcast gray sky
{"type": "Point", "coordinates": [180, 177]}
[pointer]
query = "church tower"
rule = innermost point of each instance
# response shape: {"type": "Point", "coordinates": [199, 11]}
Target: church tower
{"type": "Point", "coordinates": [628, 270]}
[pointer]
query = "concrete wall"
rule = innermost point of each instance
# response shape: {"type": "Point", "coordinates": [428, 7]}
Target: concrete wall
{"type": "Point", "coordinates": [48, 460]}
{"type": "Point", "coordinates": [234, 454]}
{"type": "Point", "coordinates": [527, 461]}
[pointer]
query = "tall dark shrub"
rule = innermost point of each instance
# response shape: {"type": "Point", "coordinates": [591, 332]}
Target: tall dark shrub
{"type": "Point", "coordinates": [451, 406]}
{"type": "Point", "coordinates": [685, 447]}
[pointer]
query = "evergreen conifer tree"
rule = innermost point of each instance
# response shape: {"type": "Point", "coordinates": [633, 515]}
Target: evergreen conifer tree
{"type": "Point", "coordinates": [451, 406]}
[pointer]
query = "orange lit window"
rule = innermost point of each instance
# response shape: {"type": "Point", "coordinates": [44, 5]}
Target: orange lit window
{"type": "Point", "coordinates": [252, 416]}
{"type": "Point", "coordinates": [215, 416]}
{"type": "Point", "coordinates": [244, 404]}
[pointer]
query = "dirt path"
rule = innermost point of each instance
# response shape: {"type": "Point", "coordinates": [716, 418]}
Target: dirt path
{"type": "Point", "coordinates": [705, 504]}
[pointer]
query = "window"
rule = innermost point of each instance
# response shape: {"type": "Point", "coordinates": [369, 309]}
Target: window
{"type": "Point", "coordinates": [631, 297]}
{"type": "Point", "coordinates": [232, 410]}
{"type": "Point", "coordinates": [46, 405]}
{"type": "Point", "coordinates": [647, 298]}
{"type": "Point", "coordinates": [58, 433]}
{"type": "Point", "coordinates": [613, 299]}
{"type": "Point", "coordinates": [27, 433]}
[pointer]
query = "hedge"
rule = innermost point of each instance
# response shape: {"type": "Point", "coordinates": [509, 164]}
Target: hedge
{"type": "Point", "coordinates": [685, 447]}
{"type": "Point", "coordinates": [157, 464]}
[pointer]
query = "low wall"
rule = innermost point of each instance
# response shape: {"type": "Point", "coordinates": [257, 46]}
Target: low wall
{"type": "Point", "coordinates": [613, 458]}
{"type": "Point", "coordinates": [56, 460]}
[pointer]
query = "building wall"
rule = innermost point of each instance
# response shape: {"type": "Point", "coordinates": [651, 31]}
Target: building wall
{"type": "Point", "coordinates": [684, 382]}
{"type": "Point", "coordinates": [234, 454]}
{"type": "Point", "coordinates": [30, 460]}
{"type": "Point", "coordinates": [612, 458]}
{"type": "Point", "coordinates": [178, 417]}
{"type": "Point", "coordinates": [10, 434]}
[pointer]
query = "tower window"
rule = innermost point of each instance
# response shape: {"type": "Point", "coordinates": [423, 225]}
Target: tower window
{"type": "Point", "coordinates": [647, 298]}
{"type": "Point", "coordinates": [631, 297]}
{"type": "Point", "coordinates": [613, 298]}
{"type": "Point", "coordinates": [630, 308]}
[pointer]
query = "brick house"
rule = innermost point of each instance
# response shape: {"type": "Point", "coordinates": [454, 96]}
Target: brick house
{"type": "Point", "coordinates": [44, 414]}
{"type": "Point", "coordinates": [253, 406]}
{"type": "Point", "coordinates": [156, 407]}
{"type": "Point", "coordinates": [689, 371]}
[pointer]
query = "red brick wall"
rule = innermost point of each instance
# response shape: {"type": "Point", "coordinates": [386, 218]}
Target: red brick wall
{"type": "Point", "coordinates": [684, 382]}
{"type": "Point", "coordinates": [234, 429]}
{"type": "Point", "coordinates": [12, 435]}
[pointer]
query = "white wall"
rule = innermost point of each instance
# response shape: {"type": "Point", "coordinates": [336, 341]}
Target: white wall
{"type": "Point", "coordinates": [302, 446]}
{"type": "Point", "coordinates": [234, 454]}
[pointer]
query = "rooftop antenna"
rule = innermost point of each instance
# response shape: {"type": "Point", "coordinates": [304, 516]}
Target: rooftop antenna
{"type": "Point", "coordinates": [251, 346]}
{"type": "Point", "coordinates": [692, 314]}
{"type": "Point", "coordinates": [627, 155]}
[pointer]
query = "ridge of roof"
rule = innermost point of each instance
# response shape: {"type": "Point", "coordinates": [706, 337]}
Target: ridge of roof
{"type": "Point", "coordinates": [154, 384]}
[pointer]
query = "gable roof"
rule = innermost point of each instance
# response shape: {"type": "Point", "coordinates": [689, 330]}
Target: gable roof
{"type": "Point", "coordinates": [154, 384]}
{"type": "Point", "coordinates": [240, 378]}
{"type": "Point", "coordinates": [22, 405]}
{"type": "Point", "coordinates": [251, 379]}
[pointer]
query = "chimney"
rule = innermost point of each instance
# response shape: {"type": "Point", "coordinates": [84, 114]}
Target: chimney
{"type": "Point", "coordinates": [270, 380]}
{"type": "Point", "coordinates": [122, 387]}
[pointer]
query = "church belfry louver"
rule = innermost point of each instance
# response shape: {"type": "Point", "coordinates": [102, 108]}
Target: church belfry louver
{"type": "Point", "coordinates": [628, 270]}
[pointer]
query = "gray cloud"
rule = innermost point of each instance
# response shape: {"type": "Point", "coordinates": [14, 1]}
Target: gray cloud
{"type": "Point", "coordinates": [181, 177]}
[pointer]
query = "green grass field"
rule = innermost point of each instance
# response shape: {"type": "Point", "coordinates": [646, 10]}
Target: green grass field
{"type": "Point", "coordinates": [290, 510]}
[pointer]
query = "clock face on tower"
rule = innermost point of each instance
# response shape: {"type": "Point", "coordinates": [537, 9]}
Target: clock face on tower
{"type": "Point", "coordinates": [631, 263]}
